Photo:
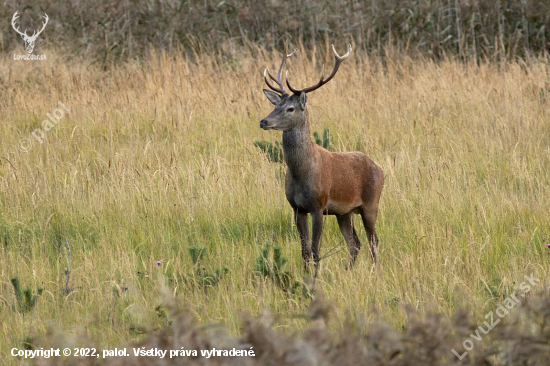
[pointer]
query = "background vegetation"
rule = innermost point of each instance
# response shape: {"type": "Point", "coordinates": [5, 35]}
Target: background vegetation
{"type": "Point", "coordinates": [153, 177]}
{"type": "Point", "coordinates": [155, 184]}
{"type": "Point", "coordinates": [107, 31]}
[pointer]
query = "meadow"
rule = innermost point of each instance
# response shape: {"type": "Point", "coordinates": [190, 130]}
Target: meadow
{"type": "Point", "coordinates": [153, 182]}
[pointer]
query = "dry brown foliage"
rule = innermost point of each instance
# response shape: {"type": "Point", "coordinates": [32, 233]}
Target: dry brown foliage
{"type": "Point", "coordinates": [522, 338]}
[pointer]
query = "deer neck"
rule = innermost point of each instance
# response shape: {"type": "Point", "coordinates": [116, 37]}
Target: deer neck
{"type": "Point", "coordinates": [298, 150]}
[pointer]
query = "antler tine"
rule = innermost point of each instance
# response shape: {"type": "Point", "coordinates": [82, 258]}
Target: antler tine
{"type": "Point", "coordinates": [341, 58]}
{"type": "Point", "coordinates": [13, 19]}
{"type": "Point", "coordinates": [280, 73]}
{"type": "Point", "coordinates": [278, 90]}
{"type": "Point", "coordinates": [338, 60]}
{"type": "Point", "coordinates": [278, 80]}
{"type": "Point", "coordinates": [46, 18]}
{"type": "Point", "coordinates": [35, 34]}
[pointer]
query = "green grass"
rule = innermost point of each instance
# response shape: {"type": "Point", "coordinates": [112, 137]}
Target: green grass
{"type": "Point", "coordinates": [156, 158]}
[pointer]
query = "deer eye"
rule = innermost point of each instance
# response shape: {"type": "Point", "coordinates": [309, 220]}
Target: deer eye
{"type": "Point", "coordinates": [290, 109]}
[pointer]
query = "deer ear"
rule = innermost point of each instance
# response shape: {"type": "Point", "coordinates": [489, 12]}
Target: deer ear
{"type": "Point", "coordinates": [303, 100]}
{"type": "Point", "coordinates": [272, 96]}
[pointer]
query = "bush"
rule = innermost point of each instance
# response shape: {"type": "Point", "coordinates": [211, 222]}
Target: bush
{"type": "Point", "coordinates": [25, 298]}
{"type": "Point", "coordinates": [521, 338]}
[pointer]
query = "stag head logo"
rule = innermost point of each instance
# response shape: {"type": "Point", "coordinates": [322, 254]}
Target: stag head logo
{"type": "Point", "coordinates": [29, 40]}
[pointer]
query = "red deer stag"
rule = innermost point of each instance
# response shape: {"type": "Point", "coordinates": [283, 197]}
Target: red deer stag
{"type": "Point", "coordinates": [319, 181]}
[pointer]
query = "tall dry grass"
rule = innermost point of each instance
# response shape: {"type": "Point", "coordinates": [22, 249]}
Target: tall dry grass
{"type": "Point", "coordinates": [158, 156]}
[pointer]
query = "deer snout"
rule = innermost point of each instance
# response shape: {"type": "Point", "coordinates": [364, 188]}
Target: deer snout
{"type": "Point", "coordinates": [263, 124]}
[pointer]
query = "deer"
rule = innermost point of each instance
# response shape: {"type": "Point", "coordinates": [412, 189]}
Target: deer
{"type": "Point", "coordinates": [29, 40]}
{"type": "Point", "coordinates": [319, 182]}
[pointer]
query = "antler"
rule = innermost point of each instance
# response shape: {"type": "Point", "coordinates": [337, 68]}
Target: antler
{"type": "Point", "coordinates": [338, 60]}
{"type": "Point", "coordinates": [35, 35]}
{"type": "Point", "coordinates": [281, 88]}
{"type": "Point", "coordinates": [24, 34]}
{"type": "Point", "coordinates": [17, 28]}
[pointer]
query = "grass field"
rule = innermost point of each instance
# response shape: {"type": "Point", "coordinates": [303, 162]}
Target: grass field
{"type": "Point", "coordinates": [157, 157]}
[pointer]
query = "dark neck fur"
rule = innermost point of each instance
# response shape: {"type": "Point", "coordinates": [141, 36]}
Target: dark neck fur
{"type": "Point", "coordinates": [298, 150]}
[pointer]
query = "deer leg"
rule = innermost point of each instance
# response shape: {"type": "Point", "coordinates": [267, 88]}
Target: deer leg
{"type": "Point", "coordinates": [303, 229]}
{"type": "Point", "coordinates": [369, 221]}
{"type": "Point", "coordinates": [356, 238]}
{"type": "Point", "coordinates": [345, 222]}
{"type": "Point", "coordinates": [317, 223]}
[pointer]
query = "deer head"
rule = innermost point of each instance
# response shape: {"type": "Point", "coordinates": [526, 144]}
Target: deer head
{"type": "Point", "coordinates": [289, 110]}
{"type": "Point", "coordinates": [29, 40]}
